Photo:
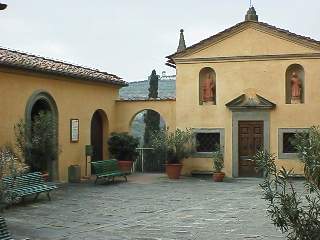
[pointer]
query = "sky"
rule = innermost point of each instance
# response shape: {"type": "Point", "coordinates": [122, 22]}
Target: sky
{"type": "Point", "coordinates": [130, 38]}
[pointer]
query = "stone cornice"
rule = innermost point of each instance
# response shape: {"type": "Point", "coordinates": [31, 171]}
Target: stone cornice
{"type": "Point", "coordinates": [250, 58]}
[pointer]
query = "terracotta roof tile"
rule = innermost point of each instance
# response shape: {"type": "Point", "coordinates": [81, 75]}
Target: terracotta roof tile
{"type": "Point", "coordinates": [12, 58]}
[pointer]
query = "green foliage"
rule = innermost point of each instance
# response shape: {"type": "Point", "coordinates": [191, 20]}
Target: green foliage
{"type": "Point", "coordinates": [297, 214]}
{"type": "Point", "coordinates": [38, 145]}
{"type": "Point", "coordinates": [218, 162]}
{"type": "Point", "coordinates": [10, 165]}
{"type": "Point", "coordinates": [123, 146]}
{"type": "Point", "coordinates": [152, 124]}
{"type": "Point", "coordinates": [308, 145]}
{"type": "Point", "coordinates": [154, 82]}
{"type": "Point", "coordinates": [177, 145]}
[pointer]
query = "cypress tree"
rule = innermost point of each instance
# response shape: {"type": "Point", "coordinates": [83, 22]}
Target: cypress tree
{"type": "Point", "coordinates": [151, 118]}
{"type": "Point", "coordinates": [153, 85]}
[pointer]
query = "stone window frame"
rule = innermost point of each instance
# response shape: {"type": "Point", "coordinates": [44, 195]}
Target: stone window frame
{"type": "Point", "coordinates": [281, 131]}
{"type": "Point", "coordinates": [221, 131]}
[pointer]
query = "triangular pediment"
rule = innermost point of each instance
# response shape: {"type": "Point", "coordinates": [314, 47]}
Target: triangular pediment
{"type": "Point", "coordinates": [250, 39]}
{"type": "Point", "coordinates": [252, 101]}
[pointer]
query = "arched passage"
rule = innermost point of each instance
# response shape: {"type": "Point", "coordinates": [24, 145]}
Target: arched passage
{"type": "Point", "coordinates": [142, 124]}
{"type": "Point", "coordinates": [41, 105]}
{"type": "Point", "coordinates": [99, 134]}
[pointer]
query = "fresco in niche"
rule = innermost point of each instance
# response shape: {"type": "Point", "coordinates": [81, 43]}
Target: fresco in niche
{"type": "Point", "coordinates": [295, 84]}
{"type": "Point", "coordinates": [207, 86]}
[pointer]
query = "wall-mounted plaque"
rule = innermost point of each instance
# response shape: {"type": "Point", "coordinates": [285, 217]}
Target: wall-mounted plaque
{"type": "Point", "coordinates": [74, 130]}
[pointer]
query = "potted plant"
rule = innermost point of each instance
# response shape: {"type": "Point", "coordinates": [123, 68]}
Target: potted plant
{"type": "Point", "coordinates": [177, 145]}
{"type": "Point", "coordinates": [218, 164]}
{"type": "Point", "coordinates": [123, 147]}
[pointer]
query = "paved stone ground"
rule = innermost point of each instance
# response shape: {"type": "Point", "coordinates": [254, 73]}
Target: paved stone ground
{"type": "Point", "coordinates": [148, 207]}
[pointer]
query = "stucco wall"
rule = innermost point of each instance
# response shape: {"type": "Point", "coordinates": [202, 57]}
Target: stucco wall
{"type": "Point", "coordinates": [74, 99]}
{"type": "Point", "coordinates": [127, 110]}
{"type": "Point", "coordinates": [233, 78]}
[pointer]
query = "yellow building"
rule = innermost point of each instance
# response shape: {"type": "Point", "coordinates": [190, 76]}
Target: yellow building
{"type": "Point", "coordinates": [264, 88]}
{"type": "Point", "coordinates": [251, 86]}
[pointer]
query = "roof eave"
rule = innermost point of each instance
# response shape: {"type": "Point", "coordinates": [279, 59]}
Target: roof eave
{"type": "Point", "coordinates": [118, 82]}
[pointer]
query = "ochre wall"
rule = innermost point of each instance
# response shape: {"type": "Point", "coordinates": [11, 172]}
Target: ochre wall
{"type": "Point", "coordinates": [127, 110]}
{"type": "Point", "coordinates": [74, 99]}
{"type": "Point", "coordinates": [234, 77]}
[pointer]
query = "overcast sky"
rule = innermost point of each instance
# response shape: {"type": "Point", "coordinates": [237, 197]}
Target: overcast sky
{"type": "Point", "coordinates": [131, 37]}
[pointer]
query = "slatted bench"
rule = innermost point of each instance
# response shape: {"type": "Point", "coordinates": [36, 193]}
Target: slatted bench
{"type": "Point", "coordinates": [26, 185]}
{"type": "Point", "coordinates": [107, 169]}
{"type": "Point", "coordinates": [4, 232]}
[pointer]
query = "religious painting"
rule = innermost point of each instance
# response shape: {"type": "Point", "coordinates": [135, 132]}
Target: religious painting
{"type": "Point", "coordinates": [295, 84]}
{"type": "Point", "coordinates": [207, 86]}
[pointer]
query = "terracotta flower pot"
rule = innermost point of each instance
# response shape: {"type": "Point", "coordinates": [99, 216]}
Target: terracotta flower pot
{"type": "Point", "coordinates": [218, 176]}
{"type": "Point", "coordinates": [125, 166]}
{"type": "Point", "coordinates": [173, 170]}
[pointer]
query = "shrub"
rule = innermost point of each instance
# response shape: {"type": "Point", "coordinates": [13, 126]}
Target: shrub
{"type": "Point", "coordinates": [38, 145]}
{"type": "Point", "coordinates": [123, 146]}
{"type": "Point", "coordinates": [296, 214]}
{"type": "Point", "coordinates": [217, 158]}
{"type": "Point", "coordinates": [177, 145]}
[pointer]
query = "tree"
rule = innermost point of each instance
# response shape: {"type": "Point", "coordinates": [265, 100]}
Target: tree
{"type": "Point", "coordinates": [152, 122]}
{"type": "Point", "coordinates": [38, 145]}
{"type": "Point", "coordinates": [151, 118]}
{"type": "Point", "coordinates": [153, 85]}
{"type": "Point", "coordinates": [294, 213]}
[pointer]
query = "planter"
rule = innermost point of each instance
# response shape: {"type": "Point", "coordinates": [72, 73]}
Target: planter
{"type": "Point", "coordinates": [125, 166]}
{"type": "Point", "coordinates": [218, 176]}
{"type": "Point", "coordinates": [173, 170]}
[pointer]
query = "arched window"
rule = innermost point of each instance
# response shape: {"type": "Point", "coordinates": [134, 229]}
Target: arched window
{"type": "Point", "coordinates": [295, 84]}
{"type": "Point", "coordinates": [207, 86]}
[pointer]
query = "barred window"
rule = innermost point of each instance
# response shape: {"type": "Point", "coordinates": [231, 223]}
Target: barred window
{"type": "Point", "coordinates": [288, 146]}
{"type": "Point", "coordinates": [207, 142]}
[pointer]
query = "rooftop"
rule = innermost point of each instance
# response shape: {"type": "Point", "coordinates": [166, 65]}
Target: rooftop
{"type": "Point", "coordinates": [24, 61]}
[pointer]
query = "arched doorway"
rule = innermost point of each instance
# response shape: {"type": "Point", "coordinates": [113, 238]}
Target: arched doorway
{"type": "Point", "coordinates": [141, 126]}
{"type": "Point", "coordinates": [42, 123]}
{"type": "Point", "coordinates": [99, 132]}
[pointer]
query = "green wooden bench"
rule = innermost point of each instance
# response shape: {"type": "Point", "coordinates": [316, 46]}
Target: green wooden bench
{"type": "Point", "coordinates": [26, 185]}
{"type": "Point", "coordinates": [107, 169]}
{"type": "Point", "coordinates": [4, 232]}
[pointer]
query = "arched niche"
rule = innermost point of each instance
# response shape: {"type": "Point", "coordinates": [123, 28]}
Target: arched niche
{"type": "Point", "coordinates": [207, 86]}
{"type": "Point", "coordinates": [99, 134]}
{"type": "Point", "coordinates": [295, 84]}
{"type": "Point", "coordinates": [42, 101]}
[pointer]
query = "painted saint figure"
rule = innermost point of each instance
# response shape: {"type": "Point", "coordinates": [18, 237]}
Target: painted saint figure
{"type": "Point", "coordinates": [296, 86]}
{"type": "Point", "coordinates": [208, 88]}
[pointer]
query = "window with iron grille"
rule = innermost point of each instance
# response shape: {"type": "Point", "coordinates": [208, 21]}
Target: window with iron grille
{"type": "Point", "coordinates": [288, 146]}
{"type": "Point", "coordinates": [207, 142]}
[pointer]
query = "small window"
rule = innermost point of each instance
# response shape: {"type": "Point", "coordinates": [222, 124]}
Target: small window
{"type": "Point", "coordinates": [288, 145]}
{"type": "Point", "coordinates": [207, 142]}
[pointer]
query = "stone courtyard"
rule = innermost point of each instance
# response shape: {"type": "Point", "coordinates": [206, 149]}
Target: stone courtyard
{"type": "Point", "coordinates": [149, 206]}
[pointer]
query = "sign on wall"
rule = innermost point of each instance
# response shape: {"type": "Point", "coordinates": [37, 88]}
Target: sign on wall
{"type": "Point", "coordinates": [74, 130]}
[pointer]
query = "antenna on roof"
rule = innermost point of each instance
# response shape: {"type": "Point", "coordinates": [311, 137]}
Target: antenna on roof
{"type": "Point", "coordinates": [250, 3]}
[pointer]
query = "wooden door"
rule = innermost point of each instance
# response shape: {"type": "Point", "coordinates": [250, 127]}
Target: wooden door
{"type": "Point", "coordinates": [97, 137]}
{"type": "Point", "coordinates": [250, 141]}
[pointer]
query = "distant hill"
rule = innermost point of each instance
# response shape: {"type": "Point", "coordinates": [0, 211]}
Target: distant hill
{"type": "Point", "coordinates": [139, 89]}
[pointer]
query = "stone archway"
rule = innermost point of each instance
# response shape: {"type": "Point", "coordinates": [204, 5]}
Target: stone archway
{"type": "Point", "coordinates": [42, 101]}
{"type": "Point", "coordinates": [153, 162]}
